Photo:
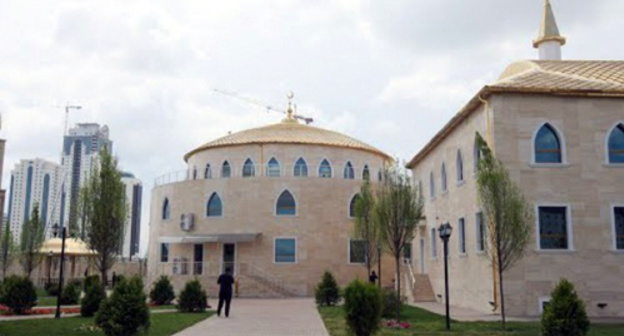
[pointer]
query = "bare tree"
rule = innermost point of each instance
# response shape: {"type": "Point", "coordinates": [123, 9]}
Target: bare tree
{"type": "Point", "coordinates": [506, 213]}
{"type": "Point", "coordinates": [365, 228]}
{"type": "Point", "coordinates": [398, 209]}
{"type": "Point", "coordinates": [31, 241]}
{"type": "Point", "coordinates": [8, 249]}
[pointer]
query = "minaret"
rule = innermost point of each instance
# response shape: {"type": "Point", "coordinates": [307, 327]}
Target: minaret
{"type": "Point", "coordinates": [549, 41]}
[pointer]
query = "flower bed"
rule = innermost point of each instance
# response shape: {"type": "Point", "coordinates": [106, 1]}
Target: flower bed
{"type": "Point", "coordinates": [396, 325]}
{"type": "Point", "coordinates": [4, 310]}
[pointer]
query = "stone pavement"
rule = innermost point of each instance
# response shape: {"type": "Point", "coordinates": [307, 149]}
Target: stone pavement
{"type": "Point", "coordinates": [267, 317]}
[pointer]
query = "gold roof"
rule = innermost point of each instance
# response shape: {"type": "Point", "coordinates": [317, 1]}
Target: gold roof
{"type": "Point", "coordinates": [73, 246]}
{"type": "Point", "coordinates": [289, 131]}
{"type": "Point", "coordinates": [548, 27]}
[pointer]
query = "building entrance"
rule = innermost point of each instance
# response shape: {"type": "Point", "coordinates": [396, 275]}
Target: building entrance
{"type": "Point", "coordinates": [229, 258]}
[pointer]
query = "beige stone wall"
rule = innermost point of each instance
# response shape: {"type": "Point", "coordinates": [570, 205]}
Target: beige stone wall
{"type": "Point", "coordinates": [321, 226]}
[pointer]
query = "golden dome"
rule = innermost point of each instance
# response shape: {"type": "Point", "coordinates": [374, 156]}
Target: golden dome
{"type": "Point", "coordinates": [288, 132]}
{"type": "Point", "coordinates": [73, 246]}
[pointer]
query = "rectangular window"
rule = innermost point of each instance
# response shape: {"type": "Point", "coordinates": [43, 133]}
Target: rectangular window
{"type": "Point", "coordinates": [553, 228]}
{"type": "Point", "coordinates": [164, 252]}
{"type": "Point", "coordinates": [357, 251]}
{"type": "Point", "coordinates": [407, 251]}
{"type": "Point", "coordinates": [618, 222]}
{"type": "Point", "coordinates": [198, 259]}
{"type": "Point", "coordinates": [285, 250]}
{"type": "Point", "coordinates": [480, 232]}
{"type": "Point", "coordinates": [434, 247]}
{"type": "Point", "coordinates": [462, 236]}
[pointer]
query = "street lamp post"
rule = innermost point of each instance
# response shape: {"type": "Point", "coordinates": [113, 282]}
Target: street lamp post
{"type": "Point", "coordinates": [55, 231]}
{"type": "Point", "coordinates": [445, 231]}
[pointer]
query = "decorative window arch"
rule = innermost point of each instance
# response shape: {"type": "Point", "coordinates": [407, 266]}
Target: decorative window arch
{"type": "Point", "coordinates": [273, 168]}
{"type": "Point", "coordinates": [226, 170]}
{"type": "Point", "coordinates": [208, 171]}
{"type": "Point", "coordinates": [349, 173]}
{"type": "Point", "coordinates": [432, 190]}
{"type": "Point", "coordinates": [194, 173]}
{"type": "Point", "coordinates": [366, 173]}
{"type": "Point", "coordinates": [214, 207]}
{"type": "Point", "coordinates": [301, 168]}
{"type": "Point", "coordinates": [166, 209]}
{"type": "Point", "coordinates": [547, 145]}
{"type": "Point", "coordinates": [443, 176]}
{"type": "Point", "coordinates": [352, 205]}
{"type": "Point", "coordinates": [460, 166]}
{"type": "Point", "coordinates": [325, 169]}
{"type": "Point", "coordinates": [615, 144]}
{"type": "Point", "coordinates": [248, 168]}
{"type": "Point", "coordinates": [286, 204]}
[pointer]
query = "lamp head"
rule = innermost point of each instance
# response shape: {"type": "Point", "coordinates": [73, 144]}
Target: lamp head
{"type": "Point", "coordinates": [55, 229]}
{"type": "Point", "coordinates": [445, 231]}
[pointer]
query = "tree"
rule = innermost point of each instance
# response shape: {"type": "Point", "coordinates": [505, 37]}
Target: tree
{"type": "Point", "coordinates": [7, 249]}
{"type": "Point", "coordinates": [31, 241]}
{"type": "Point", "coordinates": [105, 210]}
{"type": "Point", "coordinates": [365, 227]}
{"type": "Point", "coordinates": [565, 314]}
{"type": "Point", "coordinates": [398, 210]}
{"type": "Point", "coordinates": [506, 213]}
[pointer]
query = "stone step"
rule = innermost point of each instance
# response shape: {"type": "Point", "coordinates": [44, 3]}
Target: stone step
{"type": "Point", "coordinates": [423, 291]}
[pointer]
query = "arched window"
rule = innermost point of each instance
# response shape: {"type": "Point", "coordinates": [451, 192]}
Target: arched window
{"type": "Point", "coordinates": [214, 208]}
{"type": "Point", "coordinates": [352, 205]}
{"type": "Point", "coordinates": [366, 173]}
{"type": "Point", "coordinates": [348, 171]}
{"type": "Point", "coordinates": [226, 171]}
{"type": "Point", "coordinates": [379, 175]}
{"type": "Point", "coordinates": [616, 144]}
{"type": "Point", "coordinates": [443, 176]}
{"type": "Point", "coordinates": [273, 168]}
{"type": "Point", "coordinates": [325, 169]}
{"type": "Point", "coordinates": [460, 167]}
{"type": "Point", "coordinates": [285, 204]}
{"type": "Point", "coordinates": [248, 168]}
{"type": "Point", "coordinates": [301, 168]}
{"type": "Point", "coordinates": [432, 190]}
{"type": "Point", "coordinates": [194, 173]}
{"type": "Point", "coordinates": [476, 154]}
{"type": "Point", "coordinates": [208, 171]}
{"type": "Point", "coordinates": [166, 209]}
{"type": "Point", "coordinates": [420, 190]}
{"type": "Point", "coordinates": [547, 145]}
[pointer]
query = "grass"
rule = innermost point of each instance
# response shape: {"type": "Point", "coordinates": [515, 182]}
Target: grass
{"type": "Point", "coordinates": [163, 307]}
{"type": "Point", "coordinates": [45, 301]}
{"type": "Point", "coordinates": [161, 325]}
{"type": "Point", "coordinates": [426, 323]}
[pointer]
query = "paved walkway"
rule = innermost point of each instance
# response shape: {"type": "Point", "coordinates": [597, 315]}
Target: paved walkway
{"type": "Point", "coordinates": [270, 317]}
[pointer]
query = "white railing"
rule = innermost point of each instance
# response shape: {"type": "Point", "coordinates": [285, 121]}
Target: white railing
{"type": "Point", "coordinates": [186, 268]}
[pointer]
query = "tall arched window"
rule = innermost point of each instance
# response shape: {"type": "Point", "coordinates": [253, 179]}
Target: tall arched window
{"type": "Point", "coordinates": [366, 173]}
{"type": "Point", "coordinates": [547, 145]}
{"type": "Point", "coordinates": [214, 208]}
{"type": "Point", "coordinates": [352, 205]}
{"type": "Point", "coordinates": [476, 155]}
{"type": "Point", "coordinates": [248, 168]}
{"type": "Point", "coordinates": [208, 171]}
{"type": "Point", "coordinates": [432, 190]}
{"type": "Point", "coordinates": [460, 166]}
{"type": "Point", "coordinates": [325, 169]}
{"type": "Point", "coordinates": [348, 171]}
{"type": "Point", "coordinates": [194, 173]}
{"type": "Point", "coordinates": [285, 205]}
{"type": "Point", "coordinates": [420, 190]}
{"type": "Point", "coordinates": [226, 171]}
{"type": "Point", "coordinates": [166, 209]}
{"type": "Point", "coordinates": [616, 144]}
{"type": "Point", "coordinates": [273, 168]}
{"type": "Point", "coordinates": [443, 176]}
{"type": "Point", "coordinates": [301, 168]}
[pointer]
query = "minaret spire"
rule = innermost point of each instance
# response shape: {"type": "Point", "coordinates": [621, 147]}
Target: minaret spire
{"type": "Point", "coordinates": [549, 41]}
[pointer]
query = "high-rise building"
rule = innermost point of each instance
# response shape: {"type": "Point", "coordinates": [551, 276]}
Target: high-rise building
{"type": "Point", "coordinates": [132, 227]}
{"type": "Point", "coordinates": [33, 182]}
{"type": "Point", "coordinates": [81, 148]}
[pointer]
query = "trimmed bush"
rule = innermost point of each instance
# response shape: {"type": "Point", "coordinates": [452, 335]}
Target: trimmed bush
{"type": "Point", "coordinates": [565, 314]}
{"type": "Point", "coordinates": [119, 278]}
{"type": "Point", "coordinates": [51, 288]}
{"type": "Point", "coordinates": [162, 293]}
{"type": "Point", "coordinates": [327, 291]}
{"type": "Point", "coordinates": [90, 303]}
{"type": "Point", "coordinates": [90, 280]}
{"type": "Point", "coordinates": [71, 293]}
{"type": "Point", "coordinates": [362, 308]}
{"type": "Point", "coordinates": [19, 294]}
{"type": "Point", "coordinates": [192, 298]}
{"type": "Point", "coordinates": [125, 313]}
{"type": "Point", "coordinates": [389, 303]}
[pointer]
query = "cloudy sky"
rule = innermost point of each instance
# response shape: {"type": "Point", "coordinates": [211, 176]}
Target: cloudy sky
{"type": "Point", "coordinates": [390, 73]}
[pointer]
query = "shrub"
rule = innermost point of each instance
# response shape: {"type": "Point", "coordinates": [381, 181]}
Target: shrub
{"type": "Point", "coordinates": [162, 293]}
{"type": "Point", "coordinates": [327, 291]}
{"type": "Point", "coordinates": [51, 288]}
{"type": "Point", "coordinates": [125, 313]}
{"type": "Point", "coordinates": [390, 303]}
{"type": "Point", "coordinates": [192, 298]}
{"type": "Point", "coordinates": [71, 293]}
{"type": "Point", "coordinates": [119, 278]}
{"type": "Point", "coordinates": [19, 294]}
{"type": "Point", "coordinates": [90, 280]}
{"type": "Point", "coordinates": [565, 314]}
{"type": "Point", "coordinates": [93, 297]}
{"type": "Point", "coordinates": [362, 308]}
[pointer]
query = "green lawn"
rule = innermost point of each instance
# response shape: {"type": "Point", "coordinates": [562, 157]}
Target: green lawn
{"type": "Point", "coordinates": [161, 325]}
{"type": "Point", "coordinates": [426, 323]}
{"type": "Point", "coordinates": [44, 301]}
{"type": "Point", "coordinates": [163, 307]}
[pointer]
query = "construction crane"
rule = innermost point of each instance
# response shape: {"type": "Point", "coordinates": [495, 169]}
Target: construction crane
{"type": "Point", "coordinates": [268, 107]}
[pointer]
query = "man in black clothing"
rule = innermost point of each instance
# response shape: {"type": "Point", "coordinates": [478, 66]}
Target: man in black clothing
{"type": "Point", "coordinates": [372, 278]}
{"type": "Point", "coordinates": [225, 282]}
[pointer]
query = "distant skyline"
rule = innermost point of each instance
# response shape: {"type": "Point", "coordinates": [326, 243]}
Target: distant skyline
{"type": "Point", "coordinates": [388, 73]}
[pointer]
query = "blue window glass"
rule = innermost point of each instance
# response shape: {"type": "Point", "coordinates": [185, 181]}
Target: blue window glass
{"type": "Point", "coordinates": [480, 232]}
{"type": "Point", "coordinates": [547, 146]}
{"type": "Point", "coordinates": [618, 214]}
{"type": "Point", "coordinates": [352, 205]}
{"type": "Point", "coordinates": [348, 171]}
{"type": "Point", "coordinates": [285, 250]}
{"type": "Point", "coordinates": [248, 168]}
{"type": "Point", "coordinates": [325, 169]}
{"type": "Point", "coordinates": [46, 195]}
{"type": "Point", "coordinates": [460, 167]}
{"type": "Point", "coordinates": [462, 235]}
{"type": "Point", "coordinates": [164, 252]}
{"type": "Point", "coordinates": [443, 176]}
{"type": "Point", "coordinates": [226, 171]}
{"type": "Point", "coordinates": [432, 191]}
{"type": "Point", "coordinates": [366, 173]}
{"type": "Point", "coordinates": [616, 145]}
{"type": "Point", "coordinates": [286, 204]}
{"type": "Point", "coordinates": [166, 209]}
{"type": "Point", "coordinates": [29, 182]}
{"type": "Point", "coordinates": [273, 168]}
{"type": "Point", "coordinates": [214, 208]}
{"type": "Point", "coordinates": [301, 168]}
{"type": "Point", "coordinates": [357, 251]}
{"type": "Point", "coordinates": [208, 171]}
{"type": "Point", "coordinates": [553, 228]}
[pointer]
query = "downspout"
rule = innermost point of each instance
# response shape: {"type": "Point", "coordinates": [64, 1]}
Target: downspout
{"type": "Point", "coordinates": [488, 136]}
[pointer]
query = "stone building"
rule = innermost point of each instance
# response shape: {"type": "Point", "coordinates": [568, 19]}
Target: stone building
{"type": "Point", "coordinates": [558, 127]}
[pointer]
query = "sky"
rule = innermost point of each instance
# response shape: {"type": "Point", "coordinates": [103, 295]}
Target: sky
{"type": "Point", "coordinates": [390, 73]}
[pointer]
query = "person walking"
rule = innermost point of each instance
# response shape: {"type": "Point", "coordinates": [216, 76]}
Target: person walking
{"type": "Point", "coordinates": [225, 282]}
{"type": "Point", "coordinates": [372, 278]}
